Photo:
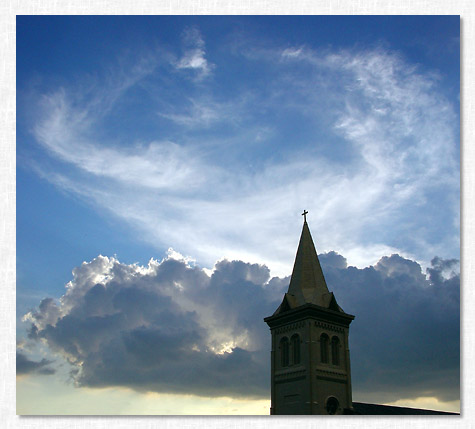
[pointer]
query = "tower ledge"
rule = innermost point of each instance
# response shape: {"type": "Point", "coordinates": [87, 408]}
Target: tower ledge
{"type": "Point", "coordinates": [309, 311]}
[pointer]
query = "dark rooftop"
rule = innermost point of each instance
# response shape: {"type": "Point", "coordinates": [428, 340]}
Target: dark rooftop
{"type": "Point", "coordinates": [388, 410]}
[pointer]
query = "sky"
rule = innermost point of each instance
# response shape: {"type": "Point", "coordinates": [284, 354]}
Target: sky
{"type": "Point", "coordinates": [162, 167]}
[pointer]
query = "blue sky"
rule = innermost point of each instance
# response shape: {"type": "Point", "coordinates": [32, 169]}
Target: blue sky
{"type": "Point", "coordinates": [192, 140]}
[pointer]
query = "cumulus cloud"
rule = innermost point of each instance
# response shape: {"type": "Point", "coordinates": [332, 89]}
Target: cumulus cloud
{"type": "Point", "coordinates": [171, 327]}
{"type": "Point", "coordinates": [406, 334]}
{"type": "Point", "coordinates": [167, 327]}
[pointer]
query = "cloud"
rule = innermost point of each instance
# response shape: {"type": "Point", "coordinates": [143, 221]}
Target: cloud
{"type": "Point", "coordinates": [292, 52]}
{"type": "Point", "coordinates": [165, 327]}
{"type": "Point", "coordinates": [27, 366]}
{"type": "Point", "coordinates": [194, 55]}
{"type": "Point", "coordinates": [374, 141]}
{"type": "Point", "coordinates": [168, 165]}
{"type": "Point", "coordinates": [171, 327]}
{"type": "Point", "coordinates": [199, 114]}
{"type": "Point", "coordinates": [407, 328]}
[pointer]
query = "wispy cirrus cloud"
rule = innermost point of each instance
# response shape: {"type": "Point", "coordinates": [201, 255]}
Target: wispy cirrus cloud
{"type": "Point", "coordinates": [197, 114]}
{"type": "Point", "coordinates": [375, 141]}
{"type": "Point", "coordinates": [194, 56]}
{"type": "Point", "coordinates": [159, 165]}
{"type": "Point", "coordinates": [292, 52]}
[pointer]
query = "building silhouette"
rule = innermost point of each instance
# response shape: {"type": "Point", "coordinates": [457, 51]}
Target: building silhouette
{"type": "Point", "coordinates": [310, 356]}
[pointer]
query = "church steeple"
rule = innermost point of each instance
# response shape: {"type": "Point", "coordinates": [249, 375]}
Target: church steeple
{"type": "Point", "coordinates": [307, 284]}
{"type": "Point", "coordinates": [310, 360]}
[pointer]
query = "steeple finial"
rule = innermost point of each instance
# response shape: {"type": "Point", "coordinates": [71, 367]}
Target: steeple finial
{"type": "Point", "coordinates": [304, 214]}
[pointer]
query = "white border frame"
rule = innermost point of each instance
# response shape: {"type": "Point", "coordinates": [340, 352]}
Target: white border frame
{"type": "Point", "coordinates": [10, 9]}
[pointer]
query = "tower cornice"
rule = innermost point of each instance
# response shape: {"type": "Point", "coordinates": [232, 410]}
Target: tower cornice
{"type": "Point", "coordinates": [309, 311]}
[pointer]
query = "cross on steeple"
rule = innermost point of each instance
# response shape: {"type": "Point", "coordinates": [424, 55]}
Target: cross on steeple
{"type": "Point", "coordinates": [304, 214]}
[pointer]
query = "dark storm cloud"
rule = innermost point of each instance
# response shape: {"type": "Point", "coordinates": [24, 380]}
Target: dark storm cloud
{"type": "Point", "coordinates": [405, 339]}
{"type": "Point", "coordinates": [170, 327]}
{"type": "Point", "coordinates": [27, 366]}
{"type": "Point", "coordinates": [165, 328]}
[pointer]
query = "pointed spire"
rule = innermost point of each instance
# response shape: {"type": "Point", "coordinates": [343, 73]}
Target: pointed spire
{"type": "Point", "coordinates": [307, 284]}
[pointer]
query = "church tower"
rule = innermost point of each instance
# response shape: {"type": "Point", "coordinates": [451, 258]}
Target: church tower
{"type": "Point", "coordinates": [310, 358]}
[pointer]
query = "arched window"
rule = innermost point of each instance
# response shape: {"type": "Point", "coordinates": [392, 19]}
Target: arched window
{"type": "Point", "coordinates": [295, 341]}
{"type": "Point", "coordinates": [332, 405]}
{"type": "Point", "coordinates": [324, 348]}
{"type": "Point", "coordinates": [335, 351]}
{"type": "Point", "coordinates": [284, 351]}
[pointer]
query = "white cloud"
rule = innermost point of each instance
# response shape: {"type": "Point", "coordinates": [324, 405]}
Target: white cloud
{"type": "Point", "coordinates": [194, 57]}
{"type": "Point", "coordinates": [292, 52]}
{"type": "Point", "coordinates": [201, 198]}
{"type": "Point", "coordinates": [199, 114]}
{"type": "Point", "coordinates": [167, 165]}
{"type": "Point", "coordinates": [403, 127]}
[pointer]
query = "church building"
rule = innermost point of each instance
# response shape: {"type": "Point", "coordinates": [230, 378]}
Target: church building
{"type": "Point", "coordinates": [310, 357]}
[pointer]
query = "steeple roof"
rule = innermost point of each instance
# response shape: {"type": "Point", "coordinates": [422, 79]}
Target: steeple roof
{"type": "Point", "coordinates": [307, 284]}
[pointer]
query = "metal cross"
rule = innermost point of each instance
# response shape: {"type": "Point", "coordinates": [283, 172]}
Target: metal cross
{"type": "Point", "coordinates": [304, 214]}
